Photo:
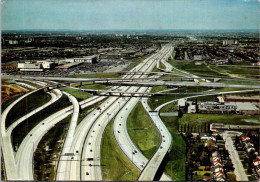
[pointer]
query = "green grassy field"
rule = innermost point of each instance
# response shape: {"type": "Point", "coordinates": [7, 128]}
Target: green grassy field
{"type": "Point", "coordinates": [147, 137]}
{"type": "Point", "coordinates": [32, 84]}
{"type": "Point", "coordinates": [200, 119]}
{"type": "Point", "coordinates": [175, 164]}
{"type": "Point", "coordinates": [27, 105]}
{"type": "Point", "coordinates": [199, 70]}
{"type": "Point", "coordinates": [237, 71]}
{"type": "Point", "coordinates": [116, 166]}
{"type": "Point", "coordinates": [25, 127]}
{"type": "Point", "coordinates": [172, 107]}
{"type": "Point", "coordinates": [158, 88]}
{"type": "Point", "coordinates": [244, 82]}
{"type": "Point", "coordinates": [89, 85]}
{"type": "Point", "coordinates": [189, 89]}
{"type": "Point", "coordinates": [161, 65]}
{"type": "Point", "coordinates": [80, 95]}
{"type": "Point", "coordinates": [158, 100]}
{"type": "Point", "coordinates": [44, 170]}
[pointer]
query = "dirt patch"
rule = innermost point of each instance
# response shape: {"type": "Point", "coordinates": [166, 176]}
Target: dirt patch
{"type": "Point", "coordinates": [10, 91]}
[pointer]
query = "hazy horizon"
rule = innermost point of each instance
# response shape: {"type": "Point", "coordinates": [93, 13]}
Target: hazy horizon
{"type": "Point", "coordinates": [108, 15]}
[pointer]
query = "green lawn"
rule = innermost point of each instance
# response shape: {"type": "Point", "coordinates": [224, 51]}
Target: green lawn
{"type": "Point", "coordinates": [244, 82]}
{"type": "Point", "coordinates": [27, 105]}
{"type": "Point", "coordinates": [89, 85]}
{"type": "Point", "coordinates": [175, 166]}
{"type": "Point", "coordinates": [200, 119]}
{"type": "Point", "coordinates": [237, 71]}
{"type": "Point", "coordinates": [32, 84]}
{"type": "Point", "coordinates": [159, 88]}
{"type": "Point", "coordinates": [80, 95]}
{"type": "Point", "coordinates": [147, 137]}
{"type": "Point", "coordinates": [189, 89]}
{"type": "Point", "coordinates": [25, 127]}
{"type": "Point", "coordinates": [158, 100]}
{"type": "Point", "coordinates": [44, 170]}
{"type": "Point", "coordinates": [162, 66]}
{"type": "Point", "coordinates": [199, 70]}
{"type": "Point", "coordinates": [227, 89]}
{"type": "Point", "coordinates": [172, 107]}
{"type": "Point", "coordinates": [116, 166]}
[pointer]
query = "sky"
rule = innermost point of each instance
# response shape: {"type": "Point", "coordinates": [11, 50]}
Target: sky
{"type": "Point", "coordinates": [129, 14]}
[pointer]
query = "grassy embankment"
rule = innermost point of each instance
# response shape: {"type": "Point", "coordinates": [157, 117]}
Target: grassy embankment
{"type": "Point", "coordinates": [32, 84]}
{"type": "Point", "coordinates": [156, 101]}
{"type": "Point", "coordinates": [78, 94]}
{"type": "Point", "coordinates": [43, 166]}
{"type": "Point", "coordinates": [24, 128]}
{"type": "Point", "coordinates": [199, 70]}
{"type": "Point", "coordinates": [175, 162]}
{"type": "Point", "coordinates": [237, 71]}
{"type": "Point", "coordinates": [162, 66]}
{"type": "Point", "coordinates": [142, 131]}
{"type": "Point", "coordinates": [90, 85]}
{"type": "Point", "coordinates": [201, 119]}
{"type": "Point", "coordinates": [115, 165]}
{"type": "Point", "coordinates": [9, 101]}
{"type": "Point", "coordinates": [48, 150]}
{"type": "Point", "coordinates": [27, 105]}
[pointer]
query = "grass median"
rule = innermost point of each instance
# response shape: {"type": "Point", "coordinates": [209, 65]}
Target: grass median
{"type": "Point", "coordinates": [142, 131]}
{"type": "Point", "coordinates": [48, 150]}
{"type": "Point", "coordinates": [25, 127]}
{"type": "Point", "coordinates": [175, 162]}
{"type": "Point", "coordinates": [78, 94]}
{"type": "Point", "coordinates": [115, 165]}
{"type": "Point", "coordinates": [90, 85]}
{"type": "Point", "coordinates": [26, 105]}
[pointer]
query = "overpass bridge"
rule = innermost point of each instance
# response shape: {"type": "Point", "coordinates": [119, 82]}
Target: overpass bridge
{"type": "Point", "coordinates": [178, 84]}
{"type": "Point", "coordinates": [119, 93]}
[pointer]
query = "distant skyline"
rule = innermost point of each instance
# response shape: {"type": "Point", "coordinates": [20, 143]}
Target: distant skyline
{"type": "Point", "coordinates": [130, 14]}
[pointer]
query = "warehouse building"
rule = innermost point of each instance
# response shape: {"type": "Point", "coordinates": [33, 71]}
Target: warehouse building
{"type": "Point", "coordinates": [38, 66]}
{"type": "Point", "coordinates": [86, 59]}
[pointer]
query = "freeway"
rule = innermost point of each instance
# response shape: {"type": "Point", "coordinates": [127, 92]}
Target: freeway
{"type": "Point", "coordinates": [153, 165]}
{"type": "Point", "coordinates": [94, 137]}
{"type": "Point", "coordinates": [24, 156]}
{"type": "Point", "coordinates": [179, 84]}
{"type": "Point", "coordinates": [90, 131]}
{"type": "Point", "coordinates": [124, 141]}
{"type": "Point", "coordinates": [7, 154]}
{"type": "Point", "coordinates": [83, 133]}
{"type": "Point", "coordinates": [61, 167]}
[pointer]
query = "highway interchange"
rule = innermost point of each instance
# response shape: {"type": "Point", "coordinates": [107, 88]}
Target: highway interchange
{"type": "Point", "coordinates": [80, 158]}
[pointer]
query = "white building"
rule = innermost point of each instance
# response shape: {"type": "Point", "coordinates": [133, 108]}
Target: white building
{"type": "Point", "coordinates": [38, 66]}
{"type": "Point", "coordinates": [86, 59]}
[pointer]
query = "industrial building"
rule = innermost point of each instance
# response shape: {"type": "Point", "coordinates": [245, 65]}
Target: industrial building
{"type": "Point", "coordinates": [216, 107]}
{"type": "Point", "coordinates": [238, 98]}
{"type": "Point", "coordinates": [86, 59]}
{"type": "Point", "coordinates": [38, 66]}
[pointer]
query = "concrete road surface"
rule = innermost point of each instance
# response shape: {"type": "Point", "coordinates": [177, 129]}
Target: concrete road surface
{"type": "Point", "coordinates": [62, 164]}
